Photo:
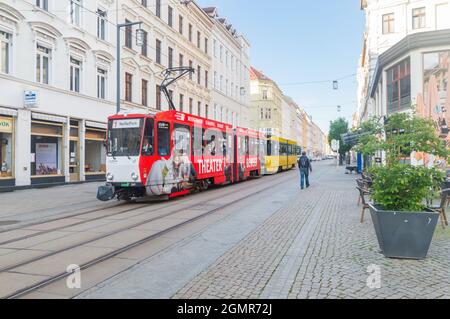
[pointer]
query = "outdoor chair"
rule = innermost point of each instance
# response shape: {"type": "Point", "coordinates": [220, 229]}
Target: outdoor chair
{"type": "Point", "coordinates": [364, 191]}
{"type": "Point", "coordinates": [445, 195]}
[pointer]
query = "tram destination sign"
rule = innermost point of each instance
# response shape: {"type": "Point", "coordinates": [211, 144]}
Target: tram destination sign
{"type": "Point", "coordinates": [131, 123]}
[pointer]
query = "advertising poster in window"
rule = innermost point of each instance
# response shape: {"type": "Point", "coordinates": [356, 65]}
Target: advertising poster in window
{"type": "Point", "coordinates": [46, 159]}
{"type": "Point", "coordinates": [435, 101]}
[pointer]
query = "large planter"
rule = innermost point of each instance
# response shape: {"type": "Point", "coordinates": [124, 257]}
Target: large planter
{"type": "Point", "coordinates": [404, 234]}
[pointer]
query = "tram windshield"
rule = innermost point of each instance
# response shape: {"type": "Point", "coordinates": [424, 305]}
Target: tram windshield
{"type": "Point", "coordinates": [124, 137]}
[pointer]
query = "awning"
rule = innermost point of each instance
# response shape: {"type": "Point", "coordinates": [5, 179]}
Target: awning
{"type": "Point", "coordinates": [96, 125]}
{"type": "Point", "coordinates": [8, 112]}
{"type": "Point", "coordinates": [352, 139]}
{"type": "Point", "coordinates": [50, 118]}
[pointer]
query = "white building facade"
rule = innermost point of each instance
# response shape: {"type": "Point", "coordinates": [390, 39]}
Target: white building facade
{"type": "Point", "coordinates": [387, 23]}
{"type": "Point", "coordinates": [57, 87]}
{"type": "Point", "coordinates": [231, 75]}
{"type": "Point", "coordinates": [176, 34]}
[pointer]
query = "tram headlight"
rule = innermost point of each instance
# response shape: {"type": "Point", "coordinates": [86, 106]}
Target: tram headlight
{"type": "Point", "coordinates": [109, 177]}
{"type": "Point", "coordinates": [134, 176]}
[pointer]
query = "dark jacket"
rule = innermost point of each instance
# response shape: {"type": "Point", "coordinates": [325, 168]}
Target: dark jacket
{"type": "Point", "coordinates": [308, 167]}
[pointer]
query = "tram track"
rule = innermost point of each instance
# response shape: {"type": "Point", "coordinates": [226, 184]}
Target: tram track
{"type": "Point", "coordinates": [78, 215]}
{"type": "Point", "coordinates": [24, 291]}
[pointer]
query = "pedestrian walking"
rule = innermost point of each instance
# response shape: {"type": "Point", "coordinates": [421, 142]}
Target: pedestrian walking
{"type": "Point", "coordinates": [304, 164]}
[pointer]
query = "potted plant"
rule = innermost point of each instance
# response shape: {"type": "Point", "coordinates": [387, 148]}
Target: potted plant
{"type": "Point", "coordinates": [403, 224]}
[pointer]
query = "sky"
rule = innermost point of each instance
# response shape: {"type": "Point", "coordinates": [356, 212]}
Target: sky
{"type": "Point", "coordinates": [296, 41]}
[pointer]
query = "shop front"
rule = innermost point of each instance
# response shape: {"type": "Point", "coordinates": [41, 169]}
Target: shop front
{"type": "Point", "coordinates": [95, 152]}
{"type": "Point", "coordinates": [47, 152]}
{"type": "Point", "coordinates": [6, 151]}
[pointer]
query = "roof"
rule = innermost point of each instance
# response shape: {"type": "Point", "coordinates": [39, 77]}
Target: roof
{"type": "Point", "coordinates": [211, 11]}
{"type": "Point", "coordinates": [258, 75]}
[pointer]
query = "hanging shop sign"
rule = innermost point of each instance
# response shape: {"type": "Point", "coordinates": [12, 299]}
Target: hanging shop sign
{"type": "Point", "coordinates": [6, 125]}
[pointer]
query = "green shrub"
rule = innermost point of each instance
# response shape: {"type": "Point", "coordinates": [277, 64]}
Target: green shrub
{"type": "Point", "coordinates": [403, 187]}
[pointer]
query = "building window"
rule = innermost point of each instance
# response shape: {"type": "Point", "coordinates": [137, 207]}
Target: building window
{"type": "Point", "coordinates": [158, 98]}
{"type": "Point", "coordinates": [144, 3]}
{"type": "Point", "coordinates": [199, 35]}
{"type": "Point", "coordinates": [190, 32]}
{"type": "Point", "coordinates": [128, 36]}
{"type": "Point", "coordinates": [180, 24]}
{"type": "Point", "coordinates": [215, 80]}
{"type": "Point", "coordinates": [226, 58]}
{"type": "Point", "coordinates": [43, 4]}
{"type": "Point", "coordinates": [47, 149]}
{"type": "Point", "coordinates": [191, 66]}
{"type": "Point", "coordinates": [158, 8]}
{"type": "Point", "coordinates": [42, 64]}
{"type": "Point", "coordinates": [215, 48]}
{"type": "Point", "coordinates": [191, 105]}
{"type": "Point", "coordinates": [75, 12]}
{"type": "Point", "coordinates": [181, 60]}
{"type": "Point", "coordinates": [181, 103]}
{"type": "Point", "coordinates": [221, 83]}
{"type": "Point", "coordinates": [206, 45]}
{"type": "Point", "coordinates": [170, 58]}
{"type": "Point", "coordinates": [144, 92]}
{"type": "Point", "coordinates": [419, 18]}
{"type": "Point", "coordinates": [199, 74]}
{"type": "Point", "coordinates": [5, 51]}
{"type": "Point", "coordinates": [144, 50]}
{"type": "Point", "coordinates": [199, 108]}
{"type": "Point", "coordinates": [101, 83]}
{"type": "Point", "coordinates": [399, 87]}
{"type": "Point", "coordinates": [388, 23]}
{"type": "Point", "coordinates": [158, 51]}
{"type": "Point", "coordinates": [262, 114]}
{"type": "Point", "coordinates": [75, 74]}
{"type": "Point", "coordinates": [128, 87]}
{"type": "Point", "coordinates": [265, 95]}
{"type": "Point", "coordinates": [436, 84]}
{"type": "Point", "coordinates": [206, 78]}
{"type": "Point", "coordinates": [170, 16]}
{"type": "Point", "coordinates": [101, 24]}
{"type": "Point", "coordinates": [221, 53]}
{"type": "Point", "coordinates": [206, 111]}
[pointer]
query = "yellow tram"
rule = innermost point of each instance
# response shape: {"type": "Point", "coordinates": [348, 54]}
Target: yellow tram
{"type": "Point", "coordinates": [281, 155]}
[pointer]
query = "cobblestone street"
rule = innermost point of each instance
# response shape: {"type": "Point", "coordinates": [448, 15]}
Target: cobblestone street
{"type": "Point", "coordinates": [315, 247]}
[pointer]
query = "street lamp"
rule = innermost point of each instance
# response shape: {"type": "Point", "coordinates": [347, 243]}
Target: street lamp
{"type": "Point", "coordinates": [139, 42]}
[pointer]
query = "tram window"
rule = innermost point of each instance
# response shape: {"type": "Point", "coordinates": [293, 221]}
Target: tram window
{"type": "Point", "coordinates": [148, 141]}
{"type": "Point", "coordinates": [283, 149]}
{"type": "Point", "coordinates": [163, 139]}
{"type": "Point", "coordinates": [211, 142]}
{"type": "Point", "coordinates": [269, 148]}
{"type": "Point", "coordinates": [182, 138]}
{"type": "Point", "coordinates": [224, 144]}
{"type": "Point", "coordinates": [197, 137]}
{"type": "Point", "coordinates": [247, 149]}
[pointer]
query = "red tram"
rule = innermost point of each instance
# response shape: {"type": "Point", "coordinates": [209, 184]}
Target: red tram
{"type": "Point", "coordinates": [172, 153]}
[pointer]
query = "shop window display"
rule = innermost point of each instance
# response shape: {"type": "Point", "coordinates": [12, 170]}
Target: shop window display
{"type": "Point", "coordinates": [6, 147]}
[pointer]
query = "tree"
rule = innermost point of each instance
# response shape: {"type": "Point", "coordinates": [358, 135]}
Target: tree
{"type": "Point", "coordinates": [337, 128]}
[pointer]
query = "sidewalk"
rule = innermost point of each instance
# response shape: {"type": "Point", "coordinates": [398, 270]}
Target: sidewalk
{"type": "Point", "coordinates": [315, 247]}
{"type": "Point", "coordinates": [39, 204]}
